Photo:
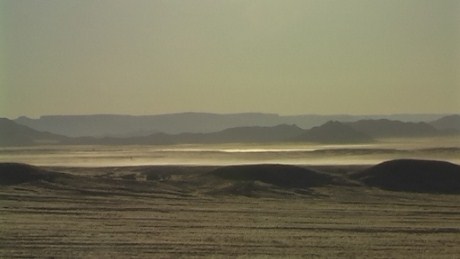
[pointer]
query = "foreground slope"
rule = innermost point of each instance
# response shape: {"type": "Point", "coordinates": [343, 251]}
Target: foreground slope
{"type": "Point", "coordinates": [166, 212]}
{"type": "Point", "coordinates": [278, 175]}
{"type": "Point", "coordinates": [267, 180]}
{"type": "Point", "coordinates": [15, 173]}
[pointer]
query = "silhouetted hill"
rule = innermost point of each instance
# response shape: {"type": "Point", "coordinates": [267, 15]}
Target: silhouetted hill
{"type": "Point", "coordinates": [13, 134]}
{"type": "Point", "coordinates": [138, 126]}
{"type": "Point", "coordinates": [334, 132]}
{"type": "Point", "coordinates": [413, 176]}
{"type": "Point", "coordinates": [389, 128]}
{"type": "Point", "coordinates": [15, 173]}
{"type": "Point", "coordinates": [232, 135]}
{"type": "Point", "coordinates": [451, 122]}
{"type": "Point", "coordinates": [331, 132]}
{"type": "Point", "coordinates": [125, 125]}
{"type": "Point", "coordinates": [286, 176]}
{"type": "Point", "coordinates": [244, 135]}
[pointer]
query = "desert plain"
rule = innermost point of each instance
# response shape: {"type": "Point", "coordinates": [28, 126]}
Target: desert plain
{"type": "Point", "coordinates": [260, 210]}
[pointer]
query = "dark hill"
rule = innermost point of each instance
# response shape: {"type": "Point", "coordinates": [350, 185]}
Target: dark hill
{"type": "Point", "coordinates": [451, 122]}
{"type": "Point", "coordinates": [139, 126]}
{"type": "Point", "coordinates": [13, 134]}
{"type": "Point", "coordinates": [243, 135]}
{"type": "Point", "coordinates": [126, 125]}
{"type": "Point", "coordinates": [233, 135]}
{"type": "Point", "coordinates": [413, 176]}
{"type": "Point", "coordinates": [390, 128]}
{"type": "Point", "coordinates": [286, 176]}
{"type": "Point", "coordinates": [334, 132]}
{"type": "Point", "coordinates": [14, 173]}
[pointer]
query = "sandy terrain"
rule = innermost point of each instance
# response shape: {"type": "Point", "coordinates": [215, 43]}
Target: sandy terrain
{"type": "Point", "coordinates": [173, 211]}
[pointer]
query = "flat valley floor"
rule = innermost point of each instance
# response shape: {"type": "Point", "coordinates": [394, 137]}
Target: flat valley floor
{"type": "Point", "coordinates": [173, 211]}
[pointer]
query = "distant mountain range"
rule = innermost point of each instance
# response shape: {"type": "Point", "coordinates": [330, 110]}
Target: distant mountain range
{"type": "Point", "coordinates": [449, 123]}
{"type": "Point", "coordinates": [13, 134]}
{"type": "Point", "coordinates": [334, 132]}
{"type": "Point", "coordinates": [384, 128]}
{"type": "Point", "coordinates": [361, 131]}
{"type": "Point", "coordinates": [279, 133]}
{"type": "Point", "coordinates": [138, 126]}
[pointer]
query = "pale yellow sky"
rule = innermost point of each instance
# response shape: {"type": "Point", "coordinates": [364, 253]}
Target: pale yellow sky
{"type": "Point", "coordinates": [287, 57]}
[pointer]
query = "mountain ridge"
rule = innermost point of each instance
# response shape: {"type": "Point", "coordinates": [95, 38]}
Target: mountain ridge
{"type": "Point", "coordinates": [384, 128]}
{"type": "Point", "coordinates": [334, 132]}
{"type": "Point", "coordinates": [105, 125]}
{"type": "Point", "coordinates": [13, 134]}
{"type": "Point", "coordinates": [449, 123]}
{"type": "Point", "coordinates": [331, 132]}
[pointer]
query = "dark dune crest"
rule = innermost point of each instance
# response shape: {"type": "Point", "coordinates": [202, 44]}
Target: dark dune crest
{"type": "Point", "coordinates": [426, 176]}
{"type": "Point", "coordinates": [285, 176]}
{"type": "Point", "coordinates": [16, 173]}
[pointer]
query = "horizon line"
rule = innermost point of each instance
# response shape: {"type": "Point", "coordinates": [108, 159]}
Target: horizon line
{"type": "Point", "coordinates": [235, 113]}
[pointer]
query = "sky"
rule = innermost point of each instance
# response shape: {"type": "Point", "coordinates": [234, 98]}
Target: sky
{"type": "Point", "coordinates": [288, 57]}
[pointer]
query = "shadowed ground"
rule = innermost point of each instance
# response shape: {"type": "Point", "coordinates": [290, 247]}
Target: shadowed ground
{"type": "Point", "coordinates": [279, 175]}
{"type": "Point", "coordinates": [14, 173]}
{"type": "Point", "coordinates": [413, 176]}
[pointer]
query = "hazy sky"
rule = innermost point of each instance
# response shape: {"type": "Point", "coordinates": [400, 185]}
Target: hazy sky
{"type": "Point", "coordinates": [287, 57]}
